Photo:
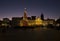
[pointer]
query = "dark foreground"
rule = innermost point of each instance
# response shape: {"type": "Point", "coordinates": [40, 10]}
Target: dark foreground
{"type": "Point", "coordinates": [36, 34]}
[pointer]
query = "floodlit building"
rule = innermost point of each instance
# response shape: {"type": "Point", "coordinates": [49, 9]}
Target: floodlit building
{"type": "Point", "coordinates": [38, 21]}
{"type": "Point", "coordinates": [27, 21]}
{"type": "Point", "coordinates": [30, 21]}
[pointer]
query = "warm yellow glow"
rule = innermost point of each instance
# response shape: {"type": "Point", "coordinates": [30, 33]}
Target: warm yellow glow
{"type": "Point", "coordinates": [38, 21]}
{"type": "Point", "coordinates": [23, 23]}
{"type": "Point", "coordinates": [29, 24]}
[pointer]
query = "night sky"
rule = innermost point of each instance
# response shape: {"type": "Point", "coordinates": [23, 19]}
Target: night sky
{"type": "Point", "coordinates": [15, 8]}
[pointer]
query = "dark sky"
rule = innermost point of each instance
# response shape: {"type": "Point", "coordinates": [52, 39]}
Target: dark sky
{"type": "Point", "coordinates": [15, 8]}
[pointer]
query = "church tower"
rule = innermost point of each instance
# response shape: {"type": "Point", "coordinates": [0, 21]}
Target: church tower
{"type": "Point", "coordinates": [25, 14]}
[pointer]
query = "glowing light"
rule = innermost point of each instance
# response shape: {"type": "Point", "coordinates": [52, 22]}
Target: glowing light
{"type": "Point", "coordinates": [38, 21]}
